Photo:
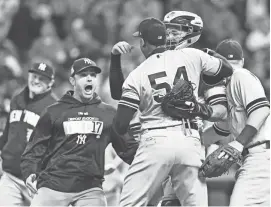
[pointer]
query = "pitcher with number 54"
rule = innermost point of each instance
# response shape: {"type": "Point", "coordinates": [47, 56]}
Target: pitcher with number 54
{"type": "Point", "coordinates": [168, 146]}
{"type": "Point", "coordinates": [63, 163]}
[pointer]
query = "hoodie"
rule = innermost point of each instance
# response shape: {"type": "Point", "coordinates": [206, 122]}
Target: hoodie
{"type": "Point", "coordinates": [67, 147]}
{"type": "Point", "coordinates": [23, 117]}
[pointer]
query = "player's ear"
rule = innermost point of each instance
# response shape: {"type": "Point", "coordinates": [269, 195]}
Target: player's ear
{"type": "Point", "coordinates": [243, 62]}
{"type": "Point", "coordinates": [51, 83]}
{"type": "Point", "coordinates": [72, 81]}
{"type": "Point", "coordinates": [142, 42]}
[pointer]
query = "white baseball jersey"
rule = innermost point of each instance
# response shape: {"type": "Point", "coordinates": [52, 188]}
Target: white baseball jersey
{"type": "Point", "coordinates": [150, 81]}
{"type": "Point", "coordinates": [245, 94]}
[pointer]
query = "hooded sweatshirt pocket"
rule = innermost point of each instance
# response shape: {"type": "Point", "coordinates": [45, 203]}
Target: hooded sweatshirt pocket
{"type": "Point", "coordinates": [74, 165]}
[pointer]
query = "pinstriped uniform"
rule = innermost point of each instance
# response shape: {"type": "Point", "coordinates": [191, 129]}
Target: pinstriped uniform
{"type": "Point", "coordinates": [167, 150]}
{"type": "Point", "coordinates": [245, 94]}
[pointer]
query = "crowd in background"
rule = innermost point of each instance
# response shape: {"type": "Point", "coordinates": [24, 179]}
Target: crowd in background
{"type": "Point", "coordinates": [60, 31]}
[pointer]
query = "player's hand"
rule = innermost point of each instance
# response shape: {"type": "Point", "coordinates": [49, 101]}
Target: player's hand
{"type": "Point", "coordinates": [121, 48]}
{"type": "Point", "coordinates": [211, 149]}
{"type": "Point", "coordinates": [31, 184]}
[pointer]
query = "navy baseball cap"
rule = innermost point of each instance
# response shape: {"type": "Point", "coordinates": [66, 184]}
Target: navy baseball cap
{"type": "Point", "coordinates": [153, 31]}
{"type": "Point", "coordinates": [230, 49]}
{"type": "Point", "coordinates": [43, 69]}
{"type": "Point", "coordinates": [83, 64]}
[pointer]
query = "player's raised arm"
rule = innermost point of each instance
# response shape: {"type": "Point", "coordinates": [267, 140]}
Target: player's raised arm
{"type": "Point", "coordinates": [215, 67]}
{"type": "Point", "coordinates": [37, 146]}
{"type": "Point", "coordinates": [116, 78]}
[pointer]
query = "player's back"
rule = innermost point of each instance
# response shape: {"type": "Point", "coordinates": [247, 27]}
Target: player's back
{"type": "Point", "coordinates": [156, 76]}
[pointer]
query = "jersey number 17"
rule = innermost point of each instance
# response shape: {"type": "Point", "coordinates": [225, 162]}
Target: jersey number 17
{"type": "Point", "coordinates": [181, 72]}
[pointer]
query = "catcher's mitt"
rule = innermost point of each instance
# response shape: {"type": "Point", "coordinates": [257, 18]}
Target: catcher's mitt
{"type": "Point", "coordinates": [179, 102]}
{"type": "Point", "coordinates": [220, 161]}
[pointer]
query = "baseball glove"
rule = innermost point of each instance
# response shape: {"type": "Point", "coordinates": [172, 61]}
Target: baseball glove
{"type": "Point", "coordinates": [181, 102]}
{"type": "Point", "coordinates": [220, 161]}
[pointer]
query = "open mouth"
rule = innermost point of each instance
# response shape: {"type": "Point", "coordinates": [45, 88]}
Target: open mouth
{"type": "Point", "coordinates": [88, 88]}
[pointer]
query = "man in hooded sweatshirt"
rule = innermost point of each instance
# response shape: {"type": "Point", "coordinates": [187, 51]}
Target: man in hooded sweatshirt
{"type": "Point", "coordinates": [25, 110]}
{"type": "Point", "coordinates": [63, 164]}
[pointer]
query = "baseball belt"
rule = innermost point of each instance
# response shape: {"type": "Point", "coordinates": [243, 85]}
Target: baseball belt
{"type": "Point", "coordinates": [192, 126]}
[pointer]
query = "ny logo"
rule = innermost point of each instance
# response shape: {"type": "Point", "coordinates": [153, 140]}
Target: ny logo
{"type": "Point", "coordinates": [81, 139]}
{"type": "Point", "coordinates": [87, 61]}
{"type": "Point", "coordinates": [42, 66]}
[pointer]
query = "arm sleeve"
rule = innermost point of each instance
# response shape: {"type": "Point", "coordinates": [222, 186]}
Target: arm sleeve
{"type": "Point", "coordinates": [37, 146]}
{"type": "Point", "coordinates": [116, 78]}
{"type": "Point", "coordinates": [131, 92]}
{"type": "Point", "coordinates": [210, 65]}
{"type": "Point", "coordinates": [214, 69]}
{"type": "Point", "coordinates": [216, 95]}
{"type": "Point", "coordinates": [125, 145]}
{"type": "Point", "coordinates": [4, 137]}
{"type": "Point", "coordinates": [128, 104]}
{"type": "Point", "coordinates": [221, 128]}
{"type": "Point", "coordinates": [249, 92]}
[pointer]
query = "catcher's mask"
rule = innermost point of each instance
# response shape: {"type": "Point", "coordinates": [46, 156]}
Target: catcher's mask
{"type": "Point", "coordinates": [183, 29]}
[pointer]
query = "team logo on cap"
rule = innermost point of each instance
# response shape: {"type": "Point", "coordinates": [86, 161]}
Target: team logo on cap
{"type": "Point", "coordinates": [42, 66]}
{"type": "Point", "coordinates": [230, 56]}
{"type": "Point", "coordinates": [87, 61]}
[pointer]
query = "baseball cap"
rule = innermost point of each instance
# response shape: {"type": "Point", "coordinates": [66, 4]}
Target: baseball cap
{"type": "Point", "coordinates": [82, 64]}
{"type": "Point", "coordinates": [42, 69]}
{"type": "Point", "coordinates": [230, 49]}
{"type": "Point", "coordinates": [152, 30]}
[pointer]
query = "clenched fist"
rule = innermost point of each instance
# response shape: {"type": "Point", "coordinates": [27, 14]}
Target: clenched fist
{"type": "Point", "coordinates": [121, 48]}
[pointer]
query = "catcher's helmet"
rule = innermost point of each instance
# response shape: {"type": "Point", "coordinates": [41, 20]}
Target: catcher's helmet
{"type": "Point", "coordinates": [183, 29]}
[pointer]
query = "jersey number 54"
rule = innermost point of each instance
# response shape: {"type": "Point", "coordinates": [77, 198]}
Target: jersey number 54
{"type": "Point", "coordinates": [181, 73]}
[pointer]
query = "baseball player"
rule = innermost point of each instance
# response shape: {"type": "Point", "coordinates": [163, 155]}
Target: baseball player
{"type": "Point", "coordinates": [215, 96]}
{"type": "Point", "coordinates": [163, 145]}
{"type": "Point", "coordinates": [63, 164]}
{"type": "Point", "coordinates": [25, 110]}
{"type": "Point", "coordinates": [248, 122]}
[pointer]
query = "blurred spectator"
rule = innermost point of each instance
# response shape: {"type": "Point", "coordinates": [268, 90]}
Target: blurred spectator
{"type": "Point", "coordinates": [259, 37]}
{"type": "Point", "coordinates": [81, 43]}
{"type": "Point", "coordinates": [8, 52]}
{"type": "Point", "coordinates": [8, 8]}
{"type": "Point", "coordinates": [49, 46]}
{"type": "Point", "coordinates": [26, 25]}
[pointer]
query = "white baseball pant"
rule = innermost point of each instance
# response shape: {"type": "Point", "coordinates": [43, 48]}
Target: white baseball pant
{"type": "Point", "coordinates": [13, 191]}
{"type": "Point", "coordinates": [252, 187]}
{"type": "Point", "coordinates": [162, 153]}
